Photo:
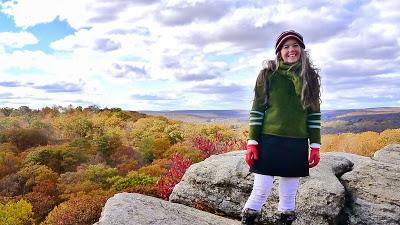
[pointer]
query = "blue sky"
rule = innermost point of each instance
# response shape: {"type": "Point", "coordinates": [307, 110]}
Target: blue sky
{"type": "Point", "coordinates": [193, 54]}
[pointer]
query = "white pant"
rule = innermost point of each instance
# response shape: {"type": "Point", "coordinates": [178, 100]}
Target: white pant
{"type": "Point", "coordinates": [262, 188]}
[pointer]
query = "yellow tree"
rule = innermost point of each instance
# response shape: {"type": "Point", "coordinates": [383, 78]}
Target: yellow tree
{"type": "Point", "coordinates": [19, 213]}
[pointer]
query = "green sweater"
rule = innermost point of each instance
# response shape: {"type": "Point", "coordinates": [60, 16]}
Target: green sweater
{"type": "Point", "coordinates": [281, 113]}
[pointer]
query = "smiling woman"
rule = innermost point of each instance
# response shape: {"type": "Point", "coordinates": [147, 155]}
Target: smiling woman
{"type": "Point", "coordinates": [290, 52]}
{"type": "Point", "coordinates": [284, 118]}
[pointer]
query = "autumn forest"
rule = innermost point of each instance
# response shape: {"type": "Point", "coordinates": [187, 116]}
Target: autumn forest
{"type": "Point", "coordinates": [59, 165]}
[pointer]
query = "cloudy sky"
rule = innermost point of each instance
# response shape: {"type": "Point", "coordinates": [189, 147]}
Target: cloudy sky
{"type": "Point", "coordinates": [191, 54]}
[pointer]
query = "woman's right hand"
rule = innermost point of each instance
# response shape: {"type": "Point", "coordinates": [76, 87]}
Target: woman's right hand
{"type": "Point", "coordinates": [251, 154]}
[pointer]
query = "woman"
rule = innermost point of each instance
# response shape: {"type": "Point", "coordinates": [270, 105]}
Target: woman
{"type": "Point", "coordinates": [284, 119]}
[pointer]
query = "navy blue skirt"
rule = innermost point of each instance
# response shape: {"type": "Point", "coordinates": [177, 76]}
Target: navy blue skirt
{"type": "Point", "coordinates": [282, 156]}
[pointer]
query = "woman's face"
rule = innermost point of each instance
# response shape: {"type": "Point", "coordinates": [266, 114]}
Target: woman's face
{"type": "Point", "coordinates": [290, 51]}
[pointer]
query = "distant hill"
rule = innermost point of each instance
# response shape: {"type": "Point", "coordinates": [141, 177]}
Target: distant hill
{"type": "Point", "coordinates": [204, 116]}
{"type": "Point", "coordinates": [333, 121]}
{"type": "Point", "coordinates": [360, 120]}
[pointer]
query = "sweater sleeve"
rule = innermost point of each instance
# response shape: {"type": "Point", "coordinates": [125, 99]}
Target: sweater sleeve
{"type": "Point", "coordinates": [259, 104]}
{"type": "Point", "coordinates": [314, 125]}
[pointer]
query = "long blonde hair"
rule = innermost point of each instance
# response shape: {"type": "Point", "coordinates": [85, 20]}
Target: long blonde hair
{"type": "Point", "coordinates": [310, 93]}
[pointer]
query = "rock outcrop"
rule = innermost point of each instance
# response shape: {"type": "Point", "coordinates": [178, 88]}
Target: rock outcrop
{"type": "Point", "coordinates": [137, 209]}
{"type": "Point", "coordinates": [373, 188]}
{"type": "Point", "coordinates": [389, 154]}
{"type": "Point", "coordinates": [223, 183]}
{"type": "Point", "coordinates": [343, 189]}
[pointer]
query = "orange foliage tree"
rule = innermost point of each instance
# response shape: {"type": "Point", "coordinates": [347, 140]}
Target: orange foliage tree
{"type": "Point", "coordinates": [124, 155]}
{"type": "Point", "coordinates": [365, 143]}
{"type": "Point", "coordinates": [156, 169]}
{"type": "Point", "coordinates": [9, 163]}
{"type": "Point", "coordinates": [82, 210]}
{"type": "Point", "coordinates": [32, 175]}
{"type": "Point", "coordinates": [43, 198]}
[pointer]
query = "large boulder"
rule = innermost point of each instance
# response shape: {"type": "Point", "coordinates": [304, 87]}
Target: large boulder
{"type": "Point", "coordinates": [321, 196]}
{"type": "Point", "coordinates": [223, 183]}
{"type": "Point", "coordinates": [220, 183]}
{"type": "Point", "coordinates": [389, 154]}
{"type": "Point", "coordinates": [137, 209]}
{"type": "Point", "coordinates": [373, 188]}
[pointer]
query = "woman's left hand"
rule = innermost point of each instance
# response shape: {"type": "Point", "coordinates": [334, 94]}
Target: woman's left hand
{"type": "Point", "coordinates": [314, 158]}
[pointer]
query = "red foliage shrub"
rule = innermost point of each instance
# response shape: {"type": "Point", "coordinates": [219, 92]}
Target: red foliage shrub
{"type": "Point", "coordinates": [178, 168]}
{"type": "Point", "coordinates": [217, 146]}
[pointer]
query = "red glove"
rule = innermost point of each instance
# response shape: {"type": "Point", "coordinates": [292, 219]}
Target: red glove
{"type": "Point", "coordinates": [251, 154]}
{"type": "Point", "coordinates": [314, 158]}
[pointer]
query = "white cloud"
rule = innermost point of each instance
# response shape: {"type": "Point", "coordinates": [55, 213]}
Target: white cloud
{"type": "Point", "coordinates": [200, 44]}
{"type": "Point", "coordinates": [28, 13]}
{"type": "Point", "coordinates": [385, 10]}
{"type": "Point", "coordinates": [80, 39]}
{"type": "Point", "coordinates": [17, 39]}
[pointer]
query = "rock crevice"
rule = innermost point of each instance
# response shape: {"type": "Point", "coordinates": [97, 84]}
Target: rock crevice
{"type": "Point", "coordinates": [373, 188]}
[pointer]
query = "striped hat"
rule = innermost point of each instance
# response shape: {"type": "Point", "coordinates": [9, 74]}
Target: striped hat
{"type": "Point", "coordinates": [287, 35]}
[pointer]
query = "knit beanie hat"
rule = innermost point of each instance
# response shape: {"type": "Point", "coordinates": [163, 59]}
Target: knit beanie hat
{"type": "Point", "coordinates": [287, 35]}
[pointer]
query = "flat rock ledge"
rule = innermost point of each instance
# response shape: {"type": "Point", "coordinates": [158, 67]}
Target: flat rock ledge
{"type": "Point", "coordinates": [137, 209]}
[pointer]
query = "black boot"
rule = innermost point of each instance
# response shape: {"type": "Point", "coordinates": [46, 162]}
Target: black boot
{"type": "Point", "coordinates": [249, 216]}
{"type": "Point", "coordinates": [285, 218]}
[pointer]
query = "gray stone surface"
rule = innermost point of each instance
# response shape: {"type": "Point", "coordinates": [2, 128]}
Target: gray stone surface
{"type": "Point", "coordinates": [373, 188]}
{"type": "Point", "coordinates": [137, 209]}
{"type": "Point", "coordinates": [223, 183]}
{"type": "Point", "coordinates": [321, 196]}
{"type": "Point", "coordinates": [389, 154]}
{"type": "Point", "coordinates": [344, 189]}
